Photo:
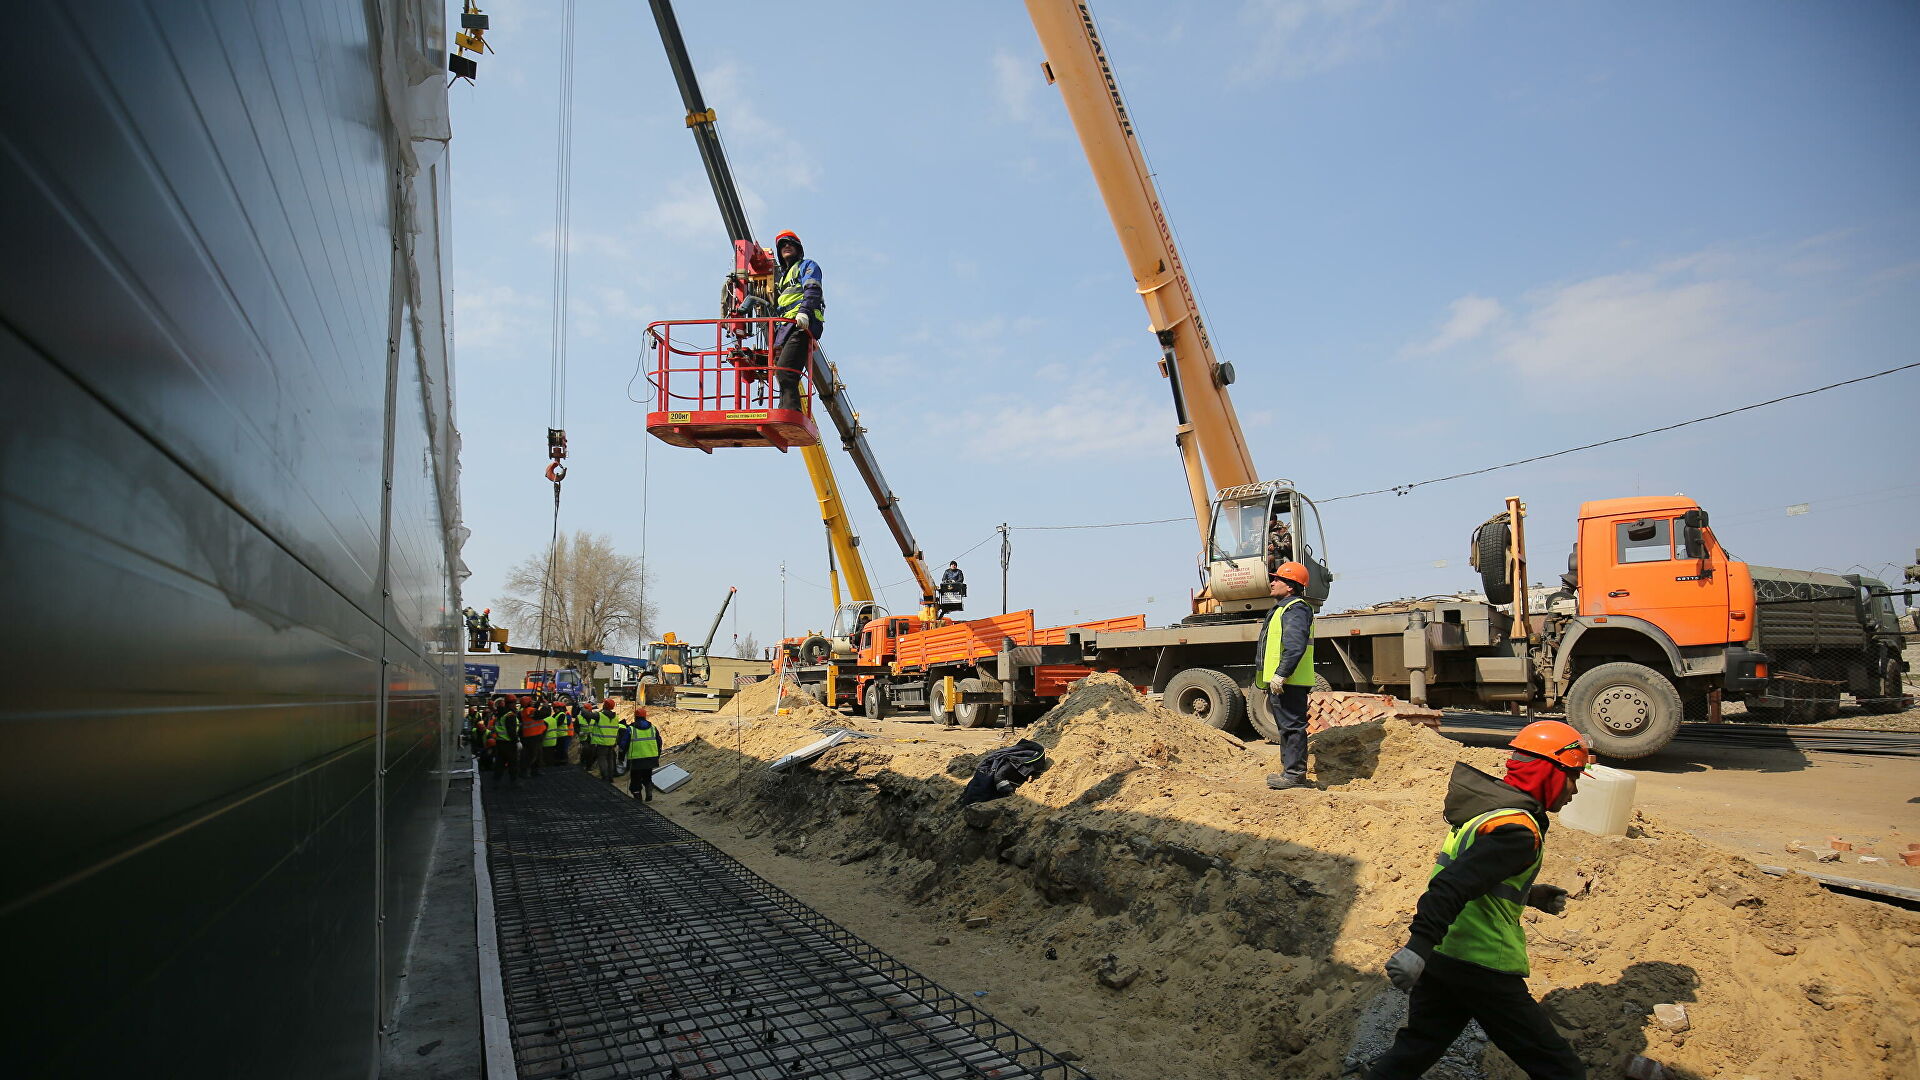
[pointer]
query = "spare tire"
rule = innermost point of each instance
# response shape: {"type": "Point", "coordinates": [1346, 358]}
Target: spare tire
{"type": "Point", "coordinates": [815, 650]}
{"type": "Point", "coordinates": [1491, 543]}
{"type": "Point", "coordinates": [1208, 696]}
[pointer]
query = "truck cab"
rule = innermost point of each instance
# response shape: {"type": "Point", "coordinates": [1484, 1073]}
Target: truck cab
{"type": "Point", "coordinates": [1655, 560]}
{"type": "Point", "coordinates": [566, 682]}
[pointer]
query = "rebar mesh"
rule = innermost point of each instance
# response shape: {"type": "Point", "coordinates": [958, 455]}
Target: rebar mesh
{"type": "Point", "coordinates": [632, 948]}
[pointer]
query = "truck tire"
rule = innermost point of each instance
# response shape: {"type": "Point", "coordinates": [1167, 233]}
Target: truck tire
{"type": "Point", "coordinates": [937, 701]}
{"type": "Point", "coordinates": [1490, 544]}
{"type": "Point", "coordinates": [876, 701]}
{"type": "Point", "coordinates": [1889, 692]}
{"type": "Point", "coordinates": [1807, 702]}
{"type": "Point", "coordinates": [1209, 696]}
{"type": "Point", "coordinates": [1626, 710]}
{"type": "Point", "coordinates": [815, 650]}
{"type": "Point", "coordinates": [974, 713]}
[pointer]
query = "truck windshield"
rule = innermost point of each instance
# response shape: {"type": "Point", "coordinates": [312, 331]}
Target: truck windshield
{"type": "Point", "coordinates": [1240, 529]}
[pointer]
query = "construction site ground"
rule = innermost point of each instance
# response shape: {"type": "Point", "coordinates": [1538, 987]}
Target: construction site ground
{"type": "Point", "coordinates": [1148, 906]}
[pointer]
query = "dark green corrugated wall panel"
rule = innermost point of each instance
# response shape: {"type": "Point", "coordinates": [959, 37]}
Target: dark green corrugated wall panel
{"type": "Point", "coordinates": [239, 724]}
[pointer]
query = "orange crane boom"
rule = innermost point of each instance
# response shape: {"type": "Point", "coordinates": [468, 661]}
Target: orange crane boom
{"type": "Point", "coordinates": [1212, 447]}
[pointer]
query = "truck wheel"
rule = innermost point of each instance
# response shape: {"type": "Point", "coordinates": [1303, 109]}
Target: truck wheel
{"type": "Point", "coordinates": [815, 650]}
{"type": "Point", "coordinates": [1490, 545]}
{"type": "Point", "coordinates": [937, 701]}
{"type": "Point", "coordinates": [1208, 696]}
{"type": "Point", "coordinates": [876, 703]}
{"type": "Point", "coordinates": [1627, 710]}
{"type": "Point", "coordinates": [1807, 702]}
{"type": "Point", "coordinates": [974, 713]}
{"type": "Point", "coordinates": [1888, 693]}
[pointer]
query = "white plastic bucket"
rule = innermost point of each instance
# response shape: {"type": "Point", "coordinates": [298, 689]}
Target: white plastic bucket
{"type": "Point", "coordinates": [1604, 803]}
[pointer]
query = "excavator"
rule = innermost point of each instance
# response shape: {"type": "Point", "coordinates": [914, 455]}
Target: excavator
{"type": "Point", "coordinates": [741, 420]}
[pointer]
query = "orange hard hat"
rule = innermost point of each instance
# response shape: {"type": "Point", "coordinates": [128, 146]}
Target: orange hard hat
{"type": "Point", "coordinates": [1293, 572]}
{"type": "Point", "coordinates": [1556, 741]}
{"type": "Point", "coordinates": [786, 234]}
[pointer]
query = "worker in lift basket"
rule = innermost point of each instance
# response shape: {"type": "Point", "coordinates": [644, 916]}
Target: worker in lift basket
{"type": "Point", "coordinates": [797, 296]}
{"type": "Point", "coordinates": [1284, 654]}
{"type": "Point", "coordinates": [1466, 954]}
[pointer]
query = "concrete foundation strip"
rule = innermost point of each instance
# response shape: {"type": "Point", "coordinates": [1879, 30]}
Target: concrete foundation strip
{"type": "Point", "coordinates": [494, 1032]}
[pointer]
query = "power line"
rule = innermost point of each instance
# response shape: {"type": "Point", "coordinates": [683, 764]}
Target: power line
{"type": "Point", "coordinates": [1102, 525]}
{"type": "Point", "coordinates": [1402, 489]}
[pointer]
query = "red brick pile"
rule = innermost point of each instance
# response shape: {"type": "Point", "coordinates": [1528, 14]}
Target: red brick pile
{"type": "Point", "coordinates": [1341, 708]}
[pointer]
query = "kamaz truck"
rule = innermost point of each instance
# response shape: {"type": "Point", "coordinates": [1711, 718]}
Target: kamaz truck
{"type": "Point", "coordinates": [1655, 623]}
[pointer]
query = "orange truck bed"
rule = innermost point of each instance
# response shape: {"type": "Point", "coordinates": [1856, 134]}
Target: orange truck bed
{"type": "Point", "coordinates": [980, 638]}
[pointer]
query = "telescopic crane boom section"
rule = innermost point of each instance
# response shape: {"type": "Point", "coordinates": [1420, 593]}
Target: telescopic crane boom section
{"type": "Point", "coordinates": [828, 392]}
{"type": "Point", "coordinates": [1212, 447]}
{"type": "Point", "coordinates": [717, 616]}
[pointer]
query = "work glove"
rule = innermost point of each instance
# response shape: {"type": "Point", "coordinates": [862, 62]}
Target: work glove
{"type": "Point", "coordinates": [1276, 684]}
{"type": "Point", "coordinates": [805, 323]}
{"type": "Point", "coordinates": [1404, 968]}
{"type": "Point", "coordinates": [1551, 899]}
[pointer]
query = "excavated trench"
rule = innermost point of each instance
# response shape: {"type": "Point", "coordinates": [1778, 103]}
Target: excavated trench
{"type": "Point", "coordinates": [1149, 897]}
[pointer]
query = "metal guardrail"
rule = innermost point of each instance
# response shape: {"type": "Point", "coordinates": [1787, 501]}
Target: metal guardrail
{"type": "Point", "coordinates": [631, 947]}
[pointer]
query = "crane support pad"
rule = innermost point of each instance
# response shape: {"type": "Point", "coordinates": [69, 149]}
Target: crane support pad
{"type": "Point", "coordinates": [630, 947]}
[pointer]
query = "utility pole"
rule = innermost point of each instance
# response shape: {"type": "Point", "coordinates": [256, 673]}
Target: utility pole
{"type": "Point", "coordinates": [1006, 560]}
{"type": "Point", "coordinates": [783, 601]}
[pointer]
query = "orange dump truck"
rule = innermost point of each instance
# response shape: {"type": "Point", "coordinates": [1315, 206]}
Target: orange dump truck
{"type": "Point", "coordinates": [976, 671]}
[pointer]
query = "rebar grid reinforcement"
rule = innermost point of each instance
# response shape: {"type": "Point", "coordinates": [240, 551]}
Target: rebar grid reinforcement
{"type": "Point", "coordinates": [630, 947]}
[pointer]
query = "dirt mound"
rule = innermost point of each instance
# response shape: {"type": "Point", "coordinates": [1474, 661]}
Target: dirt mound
{"type": "Point", "coordinates": [1167, 912]}
{"type": "Point", "coordinates": [761, 698]}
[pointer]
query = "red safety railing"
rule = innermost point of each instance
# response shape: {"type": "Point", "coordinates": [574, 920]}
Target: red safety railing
{"type": "Point", "coordinates": [717, 383]}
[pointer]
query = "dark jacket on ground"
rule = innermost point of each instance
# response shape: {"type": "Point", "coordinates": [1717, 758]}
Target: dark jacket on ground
{"type": "Point", "coordinates": [1296, 629]}
{"type": "Point", "coordinates": [1495, 856]}
{"type": "Point", "coordinates": [1010, 765]}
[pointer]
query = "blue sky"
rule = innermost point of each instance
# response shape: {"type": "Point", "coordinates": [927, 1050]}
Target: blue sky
{"type": "Point", "coordinates": [1430, 237]}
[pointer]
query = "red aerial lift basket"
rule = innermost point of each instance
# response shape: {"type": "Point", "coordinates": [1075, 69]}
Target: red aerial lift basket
{"type": "Point", "coordinates": [716, 385]}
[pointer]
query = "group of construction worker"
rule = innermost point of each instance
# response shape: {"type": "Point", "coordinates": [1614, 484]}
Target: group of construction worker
{"type": "Point", "coordinates": [1466, 953]}
{"type": "Point", "coordinates": [513, 735]}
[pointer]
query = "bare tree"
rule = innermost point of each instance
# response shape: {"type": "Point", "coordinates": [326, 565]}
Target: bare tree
{"type": "Point", "coordinates": [748, 647]}
{"type": "Point", "coordinates": [592, 593]}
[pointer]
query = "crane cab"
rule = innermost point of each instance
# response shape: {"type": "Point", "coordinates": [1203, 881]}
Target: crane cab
{"type": "Point", "coordinates": [1255, 528]}
{"type": "Point", "coordinates": [717, 383]}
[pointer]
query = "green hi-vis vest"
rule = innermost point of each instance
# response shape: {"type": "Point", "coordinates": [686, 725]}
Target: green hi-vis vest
{"type": "Point", "coordinates": [793, 293]}
{"type": "Point", "coordinates": [1487, 931]}
{"type": "Point", "coordinates": [552, 737]}
{"type": "Point", "coordinates": [602, 728]}
{"type": "Point", "coordinates": [1270, 657]}
{"type": "Point", "coordinates": [645, 742]}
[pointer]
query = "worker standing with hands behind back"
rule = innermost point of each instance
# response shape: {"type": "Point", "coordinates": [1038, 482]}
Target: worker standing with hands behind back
{"type": "Point", "coordinates": [643, 753]}
{"type": "Point", "coordinates": [798, 296]}
{"type": "Point", "coordinates": [1466, 953]}
{"type": "Point", "coordinates": [1285, 657]}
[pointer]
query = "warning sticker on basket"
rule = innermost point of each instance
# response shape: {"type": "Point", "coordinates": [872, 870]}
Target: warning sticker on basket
{"type": "Point", "coordinates": [747, 415]}
{"type": "Point", "coordinates": [679, 418]}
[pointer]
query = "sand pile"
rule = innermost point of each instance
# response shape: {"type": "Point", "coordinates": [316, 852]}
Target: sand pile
{"type": "Point", "coordinates": [763, 697]}
{"type": "Point", "coordinates": [1176, 918]}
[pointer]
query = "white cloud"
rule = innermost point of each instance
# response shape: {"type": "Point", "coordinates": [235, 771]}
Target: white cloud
{"type": "Point", "coordinates": [1667, 320]}
{"type": "Point", "coordinates": [1084, 421]}
{"type": "Point", "coordinates": [1298, 38]}
{"type": "Point", "coordinates": [1015, 83]}
{"type": "Point", "coordinates": [1470, 316]}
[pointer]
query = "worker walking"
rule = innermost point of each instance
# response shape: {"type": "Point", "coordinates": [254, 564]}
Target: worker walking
{"type": "Point", "coordinates": [1466, 953]}
{"type": "Point", "coordinates": [601, 727]}
{"type": "Point", "coordinates": [798, 297]}
{"type": "Point", "coordinates": [1285, 657]}
{"type": "Point", "coordinates": [506, 740]}
{"type": "Point", "coordinates": [643, 753]}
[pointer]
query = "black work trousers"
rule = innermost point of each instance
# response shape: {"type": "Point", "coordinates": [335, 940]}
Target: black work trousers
{"type": "Point", "coordinates": [1450, 993]}
{"type": "Point", "coordinates": [602, 760]}
{"type": "Point", "coordinates": [640, 777]}
{"type": "Point", "coordinates": [1289, 709]}
{"type": "Point", "coordinates": [791, 362]}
